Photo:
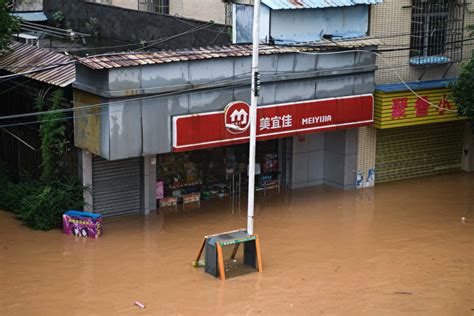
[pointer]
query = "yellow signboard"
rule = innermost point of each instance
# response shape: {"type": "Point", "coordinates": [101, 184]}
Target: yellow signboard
{"type": "Point", "coordinates": [404, 108]}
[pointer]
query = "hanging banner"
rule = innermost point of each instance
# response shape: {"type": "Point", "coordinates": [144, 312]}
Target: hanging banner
{"type": "Point", "coordinates": [231, 126]}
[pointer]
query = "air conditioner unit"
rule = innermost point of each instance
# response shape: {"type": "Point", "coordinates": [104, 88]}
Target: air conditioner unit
{"type": "Point", "coordinates": [28, 39]}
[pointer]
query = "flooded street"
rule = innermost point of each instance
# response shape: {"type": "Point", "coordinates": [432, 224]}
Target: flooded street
{"type": "Point", "coordinates": [399, 248]}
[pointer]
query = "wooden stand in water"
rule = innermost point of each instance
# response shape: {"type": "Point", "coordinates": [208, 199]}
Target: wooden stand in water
{"type": "Point", "coordinates": [214, 259]}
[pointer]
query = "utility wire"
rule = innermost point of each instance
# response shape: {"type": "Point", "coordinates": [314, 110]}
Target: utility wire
{"type": "Point", "coordinates": [118, 59]}
{"type": "Point", "coordinates": [35, 70]}
{"type": "Point", "coordinates": [177, 35]}
{"type": "Point", "coordinates": [154, 42]}
{"type": "Point", "coordinates": [209, 85]}
{"type": "Point", "coordinates": [403, 82]}
{"type": "Point", "coordinates": [183, 88]}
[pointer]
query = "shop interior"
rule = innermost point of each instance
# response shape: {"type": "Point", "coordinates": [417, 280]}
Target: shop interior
{"type": "Point", "coordinates": [219, 172]}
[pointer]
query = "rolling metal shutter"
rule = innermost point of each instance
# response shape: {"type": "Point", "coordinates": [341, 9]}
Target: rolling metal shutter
{"type": "Point", "coordinates": [416, 151]}
{"type": "Point", "coordinates": [117, 186]}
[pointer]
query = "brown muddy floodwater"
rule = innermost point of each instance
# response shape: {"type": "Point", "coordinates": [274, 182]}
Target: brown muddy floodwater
{"type": "Point", "coordinates": [397, 249]}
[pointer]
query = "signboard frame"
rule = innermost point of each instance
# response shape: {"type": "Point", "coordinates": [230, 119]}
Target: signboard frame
{"type": "Point", "coordinates": [326, 109]}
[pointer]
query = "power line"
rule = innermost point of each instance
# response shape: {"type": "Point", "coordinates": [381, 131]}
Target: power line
{"type": "Point", "coordinates": [177, 35]}
{"type": "Point", "coordinates": [209, 85]}
{"type": "Point", "coordinates": [182, 87]}
{"type": "Point", "coordinates": [402, 48]}
{"type": "Point", "coordinates": [404, 83]}
{"type": "Point", "coordinates": [98, 113]}
{"type": "Point", "coordinates": [156, 42]}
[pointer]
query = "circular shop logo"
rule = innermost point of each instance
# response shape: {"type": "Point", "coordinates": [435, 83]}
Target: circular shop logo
{"type": "Point", "coordinates": [237, 117]}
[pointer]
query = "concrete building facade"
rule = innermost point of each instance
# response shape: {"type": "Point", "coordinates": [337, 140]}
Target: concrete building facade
{"type": "Point", "coordinates": [125, 114]}
{"type": "Point", "coordinates": [417, 131]}
{"type": "Point", "coordinates": [204, 10]}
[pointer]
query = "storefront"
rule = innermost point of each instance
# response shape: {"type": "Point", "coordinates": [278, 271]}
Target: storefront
{"type": "Point", "coordinates": [164, 133]}
{"type": "Point", "coordinates": [217, 172]}
{"type": "Point", "coordinates": [417, 135]}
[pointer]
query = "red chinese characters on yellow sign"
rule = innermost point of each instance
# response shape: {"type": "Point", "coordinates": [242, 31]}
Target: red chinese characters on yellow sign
{"type": "Point", "coordinates": [399, 108]}
{"type": "Point", "coordinates": [405, 108]}
{"type": "Point", "coordinates": [443, 105]}
{"type": "Point", "coordinates": [422, 106]}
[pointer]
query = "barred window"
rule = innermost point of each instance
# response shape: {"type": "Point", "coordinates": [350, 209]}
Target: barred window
{"type": "Point", "coordinates": [436, 31]}
{"type": "Point", "coordinates": [158, 6]}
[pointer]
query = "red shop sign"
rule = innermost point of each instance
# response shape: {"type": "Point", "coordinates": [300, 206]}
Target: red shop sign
{"type": "Point", "coordinates": [231, 126]}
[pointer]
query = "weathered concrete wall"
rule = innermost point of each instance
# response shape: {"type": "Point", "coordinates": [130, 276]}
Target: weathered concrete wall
{"type": "Point", "coordinates": [340, 159]}
{"type": "Point", "coordinates": [142, 127]}
{"type": "Point", "coordinates": [308, 160]}
{"type": "Point", "coordinates": [202, 10]}
{"type": "Point", "coordinates": [135, 26]}
{"type": "Point", "coordinates": [28, 5]}
{"type": "Point", "coordinates": [87, 124]}
{"type": "Point", "coordinates": [160, 78]}
{"type": "Point", "coordinates": [325, 158]}
{"type": "Point", "coordinates": [468, 149]}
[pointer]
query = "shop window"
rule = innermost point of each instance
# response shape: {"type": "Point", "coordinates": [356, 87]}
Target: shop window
{"type": "Point", "coordinates": [208, 171]}
{"type": "Point", "coordinates": [436, 31]}
{"type": "Point", "coordinates": [157, 6]}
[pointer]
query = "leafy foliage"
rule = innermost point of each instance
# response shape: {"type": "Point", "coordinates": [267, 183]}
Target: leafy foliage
{"type": "Point", "coordinates": [40, 203]}
{"type": "Point", "coordinates": [92, 27]}
{"type": "Point", "coordinates": [8, 24]}
{"type": "Point", "coordinates": [58, 18]}
{"type": "Point", "coordinates": [463, 90]}
{"type": "Point", "coordinates": [53, 140]}
{"type": "Point", "coordinates": [43, 208]}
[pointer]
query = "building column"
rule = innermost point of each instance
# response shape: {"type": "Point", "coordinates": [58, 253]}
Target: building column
{"type": "Point", "coordinates": [86, 159]}
{"type": "Point", "coordinates": [340, 159]}
{"type": "Point", "coordinates": [149, 184]}
{"type": "Point", "coordinates": [468, 149]}
{"type": "Point", "coordinates": [366, 150]}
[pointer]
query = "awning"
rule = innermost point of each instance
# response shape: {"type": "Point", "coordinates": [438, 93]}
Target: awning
{"type": "Point", "coordinates": [31, 16]}
{"type": "Point", "coordinates": [314, 4]}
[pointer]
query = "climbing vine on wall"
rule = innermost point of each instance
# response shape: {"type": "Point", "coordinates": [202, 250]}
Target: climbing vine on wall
{"type": "Point", "coordinates": [53, 139]}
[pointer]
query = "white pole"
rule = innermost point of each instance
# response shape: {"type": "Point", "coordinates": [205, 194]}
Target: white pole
{"type": "Point", "coordinates": [253, 115]}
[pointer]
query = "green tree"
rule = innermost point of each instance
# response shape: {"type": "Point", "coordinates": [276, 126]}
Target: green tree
{"type": "Point", "coordinates": [8, 24]}
{"type": "Point", "coordinates": [463, 90]}
{"type": "Point", "coordinates": [40, 203]}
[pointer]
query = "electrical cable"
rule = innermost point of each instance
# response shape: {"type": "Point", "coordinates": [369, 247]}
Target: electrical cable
{"type": "Point", "coordinates": [289, 46]}
{"type": "Point", "coordinates": [209, 84]}
{"type": "Point", "coordinates": [157, 41]}
{"type": "Point", "coordinates": [17, 86]}
{"type": "Point", "coordinates": [405, 83]}
{"type": "Point", "coordinates": [91, 114]}
{"type": "Point", "coordinates": [175, 36]}
{"type": "Point", "coordinates": [35, 70]}
{"type": "Point", "coordinates": [204, 86]}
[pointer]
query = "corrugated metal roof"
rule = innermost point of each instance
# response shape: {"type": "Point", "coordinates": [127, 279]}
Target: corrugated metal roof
{"type": "Point", "coordinates": [314, 4]}
{"type": "Point", "coordinates": [60, 69]}
{"type": "Point", "coordinates": [118, 60]}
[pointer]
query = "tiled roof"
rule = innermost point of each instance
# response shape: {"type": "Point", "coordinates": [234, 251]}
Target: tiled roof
{"type": "Point", "coordinates": [118, 60]}
{"type": "Point", "coordinates": [314, 4]}
{"type": "Point", "coordinates": [22, 58]}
